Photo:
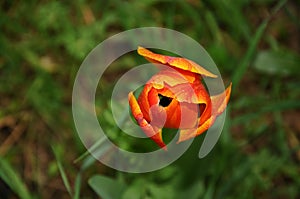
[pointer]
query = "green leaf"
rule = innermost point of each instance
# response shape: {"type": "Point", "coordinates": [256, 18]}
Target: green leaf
{"type": "Point", "coordinates": [62, 172]}
{"type": "Point", "coordinates": [10, 177]}
{"type": "Point", "coordinates": [107, 188]}
{"type": "Point", "coordinates": [242, 68]}
{"type": "Point", "coordinates": [194, 191]}
{"type": "Point", "coordinates": [137, 189]}
{"type": "Point", "coordinates": [77, 186]}
{"type": "Point", "coordinates": [277, 62]}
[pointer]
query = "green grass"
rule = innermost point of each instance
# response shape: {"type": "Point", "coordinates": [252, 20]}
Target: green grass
{"type": "Point", "coordinates": [255, 44]}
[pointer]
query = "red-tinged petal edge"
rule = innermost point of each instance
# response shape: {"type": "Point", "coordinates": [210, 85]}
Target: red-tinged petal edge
{"type": "Point", "coordinates": [219, 104]}
{"type": "Point", "coordinates": [154, 133]}
{"type": "Point", "coordinates": [176, 62]}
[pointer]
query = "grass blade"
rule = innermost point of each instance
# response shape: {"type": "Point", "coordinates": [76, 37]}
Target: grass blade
{"type": "Point", "coordinates": [77, 186]}
{"type": "Point", "coordinates": [62, 173]}
{"type": "Point", "coordinates": [240, 71]}
{"type": "Point", "coordinates": [9, 176]}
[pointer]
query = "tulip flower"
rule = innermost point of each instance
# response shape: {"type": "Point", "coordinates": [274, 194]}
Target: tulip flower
{"type": "Point", "coordinates": [176, 97]}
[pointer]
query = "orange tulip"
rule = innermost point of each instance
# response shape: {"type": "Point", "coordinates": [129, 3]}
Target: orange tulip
{"type": "Point", "coordinates": [176, 98]}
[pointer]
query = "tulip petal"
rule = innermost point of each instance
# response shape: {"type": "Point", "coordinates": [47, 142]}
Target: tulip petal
{"type": "Point", "coordinates": [153, 132]}
{"type": "Point", "coordinates": [176, 97]}
{"type": "Point", "coordinates": [176, 62]}
{"type": "Point", "coordinates": [170, 77]}
{"type": "Point", "coordinates": [219, 104]}
{"type": "Point", "coordinates": [175, 85]}
{"type": "Point", "coordinates": [186, 134]}
{"type": "Point", "coordinates": [187, 116]}
{"type": "Point", "coordinates": [158, 116]}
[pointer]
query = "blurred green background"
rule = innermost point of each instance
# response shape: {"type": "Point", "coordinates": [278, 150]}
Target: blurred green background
{"type": "Point", "coordinates": [256, 45]}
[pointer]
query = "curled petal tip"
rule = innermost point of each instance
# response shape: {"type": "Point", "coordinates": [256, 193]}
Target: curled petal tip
{"type": "Point", "coordinates": [140, 49]}
{"type": "Point", "coordinates": [158, 139]}
{"type": "Point", "coordinates": [176, 62]}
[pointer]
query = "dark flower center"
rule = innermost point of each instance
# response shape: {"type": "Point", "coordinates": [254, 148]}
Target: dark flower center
{"type": "Point", "coordinates": [201, 109]}
{"type": "Point", "coordinates": [164, 101]}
